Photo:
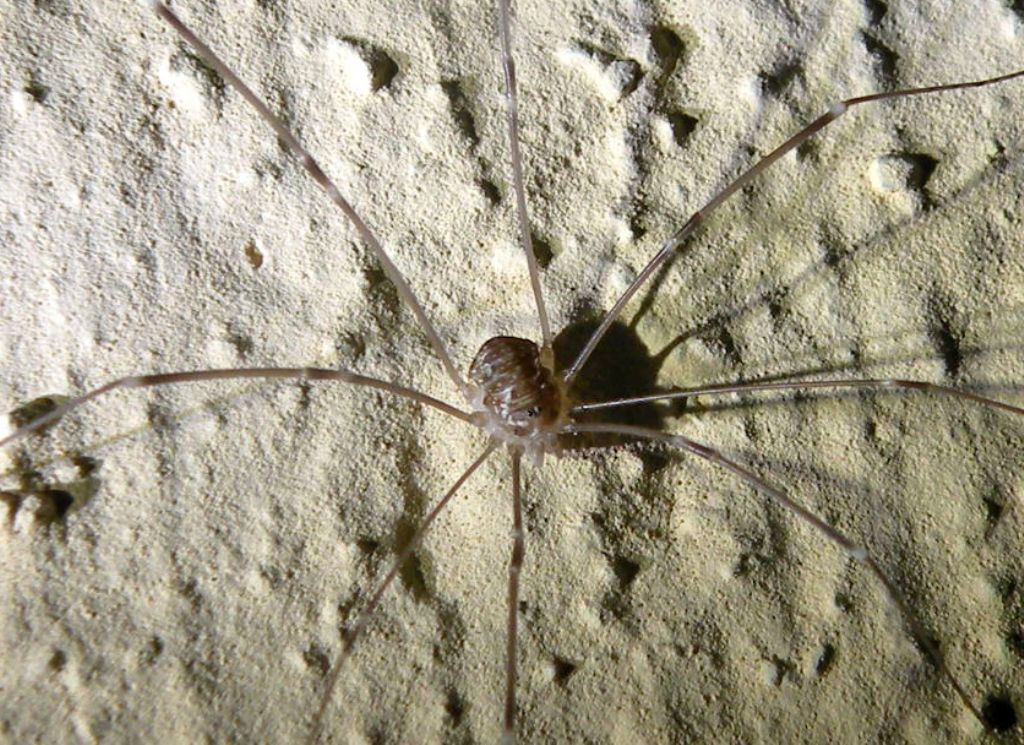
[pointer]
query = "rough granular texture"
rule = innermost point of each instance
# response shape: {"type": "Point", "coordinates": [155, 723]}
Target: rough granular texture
{"type": "Point", "coordinates": [175, 564]}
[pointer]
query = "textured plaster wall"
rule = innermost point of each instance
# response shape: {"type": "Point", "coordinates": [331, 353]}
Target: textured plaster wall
{"type": "Point", "coordinates": [218, 534]}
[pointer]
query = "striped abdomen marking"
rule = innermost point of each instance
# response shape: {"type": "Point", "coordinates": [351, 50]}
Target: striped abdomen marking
{"type": "Point", "coordinates": [519, 390]}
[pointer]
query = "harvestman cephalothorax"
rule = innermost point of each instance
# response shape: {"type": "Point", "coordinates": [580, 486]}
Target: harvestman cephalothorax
{"type": "Point", "coordinates": [550, 405]}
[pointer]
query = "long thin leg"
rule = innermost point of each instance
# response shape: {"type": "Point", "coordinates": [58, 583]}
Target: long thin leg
{"type": "Point", "coordinates": [512, 116]}
{"type": "Point", "coordinates": [314, 170]}
{"type": "Point", "coordinates": [855, 551]}
{"type": "Point", "coordinates": [508, 735]}
{"type": "Point", "coordinates": [677, 239]}
{"type": "Point", "coordinates": [197, 376]}
{"type": "Point", "coordinates": [790, 385]}
{"type": "Point", "coordinates": [349, 637]}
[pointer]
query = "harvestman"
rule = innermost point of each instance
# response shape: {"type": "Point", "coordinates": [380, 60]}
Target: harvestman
{"type": "Point", "coordinates": [513, 391]}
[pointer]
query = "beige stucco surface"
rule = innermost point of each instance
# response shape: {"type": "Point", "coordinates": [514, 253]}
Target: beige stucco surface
{"type": "Point", "coordinates": [221, 532]}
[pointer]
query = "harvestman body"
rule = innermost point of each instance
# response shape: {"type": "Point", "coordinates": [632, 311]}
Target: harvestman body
{"type": "Point", "coordinates": [514, 391]}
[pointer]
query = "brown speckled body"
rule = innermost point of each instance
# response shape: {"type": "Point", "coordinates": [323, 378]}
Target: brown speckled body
{"type": "Point", "coordinates": [517, 388]}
